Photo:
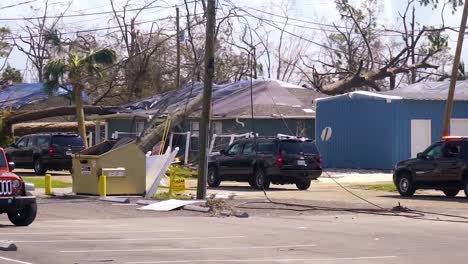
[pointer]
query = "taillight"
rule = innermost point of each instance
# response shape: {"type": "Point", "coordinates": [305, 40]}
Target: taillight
{"type": "Point", "coordinates": [51, 151]}
{"type": "Point", "coordinates": [279, 160]}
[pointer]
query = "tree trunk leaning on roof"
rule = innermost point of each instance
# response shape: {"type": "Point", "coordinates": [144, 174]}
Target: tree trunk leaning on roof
{"type": "Point", "coordinates": [153, 135]}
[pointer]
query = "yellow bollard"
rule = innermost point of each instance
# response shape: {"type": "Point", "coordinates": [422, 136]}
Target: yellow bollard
{"type": "Point", "coordinates": [48, 184]}
{"type": "Point", "coordinates": [103, 186]}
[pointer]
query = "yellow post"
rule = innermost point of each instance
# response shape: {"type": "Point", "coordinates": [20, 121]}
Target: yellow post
{"type": "Point", "coordinates": [48, 184]}
{"type": "Point", "coordinates": [171, 181]}
{"type": "Point", "coordinates": [103, 186]}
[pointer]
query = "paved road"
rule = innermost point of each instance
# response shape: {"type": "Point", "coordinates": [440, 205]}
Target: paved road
{"type": "Point", "coordinates": [86, 231]}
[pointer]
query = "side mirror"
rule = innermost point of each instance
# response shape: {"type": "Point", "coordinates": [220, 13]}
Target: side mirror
{"type": "Point", "coordinates": [11, 165]}
{"type": "Point", "coordinates": [223, 152]}
{"type": "Point", "coordinates": [13, 145]}
{"type": "Point", "coordinates": [421, 156]}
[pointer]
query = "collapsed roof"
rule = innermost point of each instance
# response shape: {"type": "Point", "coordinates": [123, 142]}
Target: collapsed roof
{"type": "Point", "coordinates": [17, 96]}
{"type": "Point", "coordinates": [271, 98]}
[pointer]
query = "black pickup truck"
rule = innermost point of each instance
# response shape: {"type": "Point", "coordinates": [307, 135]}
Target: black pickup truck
{"type": "Point", "coordinates": [262, 161]}
{"type": "Point", "coordinates": [42, 152]}
{"type": "Point", "coordinates": [442, 166]}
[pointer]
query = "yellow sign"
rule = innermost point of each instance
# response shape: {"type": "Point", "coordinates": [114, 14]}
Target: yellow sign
{"type": "Point", "coordinates": [177, 185]}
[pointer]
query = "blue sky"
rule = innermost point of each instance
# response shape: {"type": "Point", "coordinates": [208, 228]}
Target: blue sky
{"type": "Point", "coordinates": [313, 10]}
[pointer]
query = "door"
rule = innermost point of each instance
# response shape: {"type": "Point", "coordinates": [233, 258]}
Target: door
{"type": "Point", "coordinates": [425, 169]}
{"type": "Point", "coordinates": [29, 151]}
{"type": "Point", "coordinates": [420, 136]}
{"type": "Point", "coordinates": [451, 165]}
{"type": "Point", "coordinates": [226, 162]}
{"type": "Point", "coordinates": [245, 161]}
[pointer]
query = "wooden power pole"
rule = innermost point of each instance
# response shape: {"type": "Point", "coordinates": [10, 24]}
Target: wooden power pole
{"type": "Point", "coordinates": [456, 65]}
{"type": "Point", "coordinates": [178, 48]}
{"type": "Point", "coordinates": [207, 90]}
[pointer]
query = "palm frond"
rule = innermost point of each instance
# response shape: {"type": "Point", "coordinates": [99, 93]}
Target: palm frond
{"type": "Point", "coordinates": [102, 56]}
{"type": "Point", "coordinates": [54, 72]}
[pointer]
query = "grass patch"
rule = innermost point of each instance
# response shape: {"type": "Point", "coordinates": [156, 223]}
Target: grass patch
{"type": "Point", "coordinates": [39, 182]}
{"type": "Point", "coordinates": [183, 172]}
{"type": "Point", "coordinates": [166, 196]}
{"type": "Point", "coordinates": [386, 187]}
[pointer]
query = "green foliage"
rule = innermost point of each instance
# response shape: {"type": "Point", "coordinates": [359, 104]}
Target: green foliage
{"type": "Point", "coordinates": [12, 74]}
{"type": "Point", "coordinates": [184, 172]}
{"type": "Point", "coordinates": [167, 196]}
{"type": "Point", "coordinates": [4, 46]}
{"type": "Point", "coordinates": [435, 3]}
{"type": "Point", "coordinates": [39, 182]}
{"type": "Point", "coordinates": [386, 187]}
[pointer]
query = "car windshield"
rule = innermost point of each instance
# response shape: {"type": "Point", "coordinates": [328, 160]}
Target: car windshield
{"type": "Point", "coordinates": [2, 161]}
{"type": "Point", "coordinates": [67, 141]}
{"type": "Point", "coordinates": [298, 147]}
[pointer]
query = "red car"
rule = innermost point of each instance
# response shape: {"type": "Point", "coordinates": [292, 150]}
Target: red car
{"type": "Point", "coordinates": [15, 197]}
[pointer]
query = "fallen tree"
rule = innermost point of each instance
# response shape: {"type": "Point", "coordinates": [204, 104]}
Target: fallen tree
{"type": "Point", "coordinates": [153, 132]}
{"type": "Point", "coordinates": [43, 127]}
{"type": "Point", "coordinates": [14, 118]}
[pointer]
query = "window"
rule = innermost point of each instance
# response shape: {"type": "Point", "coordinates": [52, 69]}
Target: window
{"type": "Point", "coordinates": [140, 125]}
{"type": "Point", "coordinates": [434, 152]}
{"type": "Point", "coordinates": [22, 142]}
{"type": "Point", "coordinates": [248, 148]}
{"type": "Point", "coordinates": [194, 128]}
{"type": "Point", "coordinates": [2, 161]}
{"type": "Point", "coordinates": [67, 141]}
{"type": "Point", "coordinates": [43, 141]}
{"type": "Point", "coordinates": [217, 127]}
{"type": "Point", "coordinates": [234, 149]}
{"type": "Point", "coordinates": [297, 147]}
{"type": "Point", "coordinates": [266, 147]}
{"type": "Point", "coordinates": [452, 150]}
{"type": "Point", "coordinates": [31, 141]}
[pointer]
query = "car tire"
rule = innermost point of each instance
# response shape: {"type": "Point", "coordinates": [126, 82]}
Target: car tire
{"type": "Point", "coordinates": [451, 193]}
{"type": "Point", "coordinates": [25, 216]}
{"type": "Point", "coordinates": [303, 185]}
{"type": "Point", "coordinates": [261, 181]}
{"type": "Point", "coordinates": [252, 183]}
{"type": "Point", "coordinates": [213, 179]}
{"type": "Point", "coordinates": [405, 185]}
{"type": "Point", "coordinates": [39, 167]}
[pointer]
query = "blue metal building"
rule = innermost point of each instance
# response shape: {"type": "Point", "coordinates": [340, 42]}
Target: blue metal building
{"type": "Point", "coordinates": [376, 130]}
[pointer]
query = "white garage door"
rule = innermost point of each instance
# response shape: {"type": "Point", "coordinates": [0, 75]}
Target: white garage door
{"type": "Point", "coordinates": [420, 135]}
{"type": "Point", "coordinates": [459, 127]}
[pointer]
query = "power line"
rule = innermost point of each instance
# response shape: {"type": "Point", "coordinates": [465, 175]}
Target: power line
{"type": "Point", "coordinates": [17, 4]}
{"type": "Point", "coordinates": [88, 14]}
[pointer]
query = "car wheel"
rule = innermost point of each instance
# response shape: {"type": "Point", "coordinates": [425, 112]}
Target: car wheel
{"type": "Point", "coordinates": [25, 216]}
{"type": "Point", "coordinates": [213, 178]}
{"type": "Point", "coordinates": [303, 185]}
{"type": "Point", "coordinates": [261, 181]}
{"type": "Point", "coordinates": [451, 193]}
{"type": "Point", "coordinates": [39, 167]}
{"type": "Point", "coordinates": [405, 185]}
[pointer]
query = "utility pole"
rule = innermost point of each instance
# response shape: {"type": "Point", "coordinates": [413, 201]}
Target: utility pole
{"type": "Point", "coordinates": [453, 80]}
{"type": "Point", "coordinates": [207, 90]}
{"type": "Point", "coordinates": [178, 48]}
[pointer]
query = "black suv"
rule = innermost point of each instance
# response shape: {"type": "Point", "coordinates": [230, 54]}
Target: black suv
{"type": "Point", "coordinates": [45, 151]}
{"type": "Point", "coordinates": [442, 166]}
{"type": "Point", "coordinates": [272, 160]}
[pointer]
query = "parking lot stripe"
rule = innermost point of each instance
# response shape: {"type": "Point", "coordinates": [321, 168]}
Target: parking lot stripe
{"type": "Point", "coordinates": [184, 249]}
{"type": "Point", "coordinates": [95, 232]}
{"type": "Point", "coordinates": [124, 239]}
{"type": "Point", "coordinates": [263, 260]}
{"type": "Point", "coordinates": [14, 260]}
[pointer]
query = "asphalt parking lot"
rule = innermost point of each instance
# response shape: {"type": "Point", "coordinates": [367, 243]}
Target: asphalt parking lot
{"type": "Point", "coordinates": [88, 231]}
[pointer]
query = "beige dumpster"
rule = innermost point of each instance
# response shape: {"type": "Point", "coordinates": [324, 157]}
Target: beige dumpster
{"type": "Point", "coordinates": [124, 167]}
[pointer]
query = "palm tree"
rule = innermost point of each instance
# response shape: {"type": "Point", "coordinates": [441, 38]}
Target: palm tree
{"type": "Point", "coordinates": [77, 70]}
